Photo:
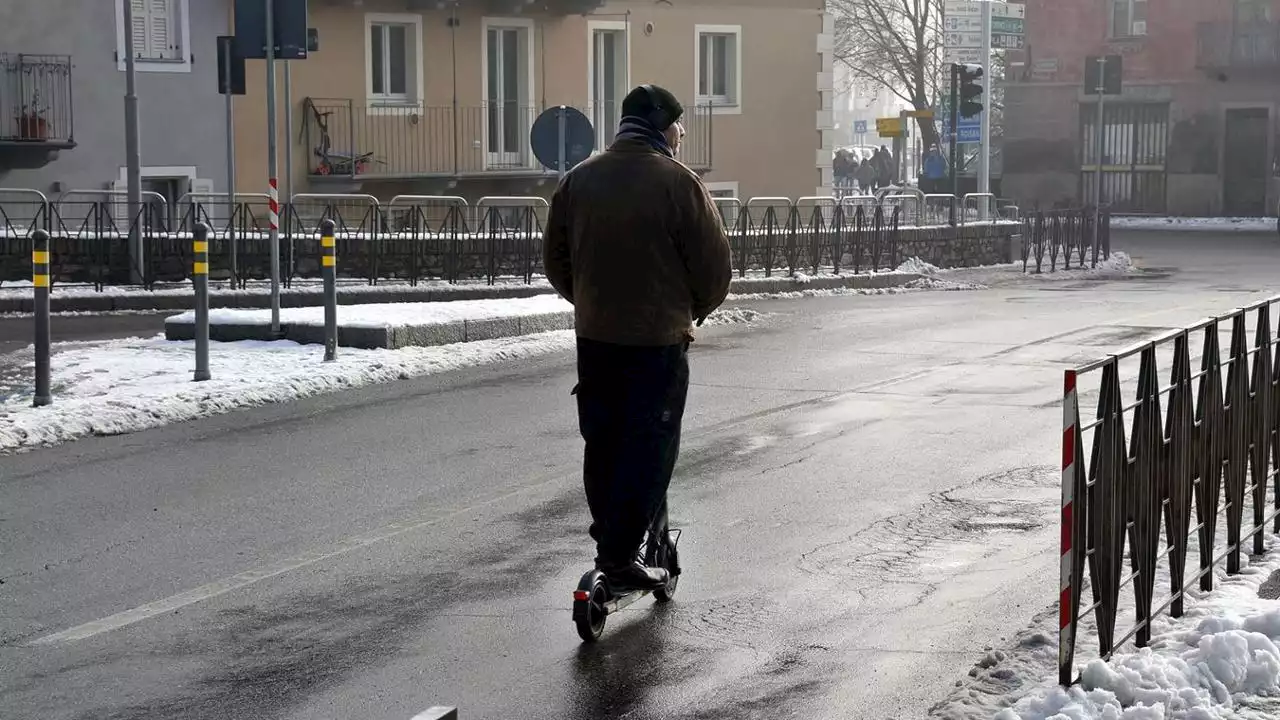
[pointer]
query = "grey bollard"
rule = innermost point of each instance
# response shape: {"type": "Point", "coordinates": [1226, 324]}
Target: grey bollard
{"type": "Point", "coordinates": [329, 269]}
{"type": "Point", "coordinates": [200, 279]}
{"type": "Point", "coordinates": [40, 280]}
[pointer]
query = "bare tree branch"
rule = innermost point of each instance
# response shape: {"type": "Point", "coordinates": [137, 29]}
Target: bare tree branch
{"type": "Point", "coordinates": [895, 45]}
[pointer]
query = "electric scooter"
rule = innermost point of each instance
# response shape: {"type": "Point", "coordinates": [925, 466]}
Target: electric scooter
{"type": "Point", "coordinates": [594, 601]}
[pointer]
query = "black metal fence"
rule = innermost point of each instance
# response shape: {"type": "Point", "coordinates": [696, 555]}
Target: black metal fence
{"type": "Point", "coordinates": [1064, 236]}
{"type": "Point", "coordinates": [1172, 448]}
{"type": "Point", "coordinates": [414, 238]}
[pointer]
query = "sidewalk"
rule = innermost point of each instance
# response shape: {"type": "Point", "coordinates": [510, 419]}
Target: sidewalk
{"type": "Point", "coordinates": [1196, 224]}
{"type": "Point", "coordinates": [1220, 660]}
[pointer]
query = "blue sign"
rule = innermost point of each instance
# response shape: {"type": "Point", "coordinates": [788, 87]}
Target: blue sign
{"type": "Point", "coordinates": [860, 127]}
{"type": "Point", "coordinates": [579, 137]}
{"type": "Point", "coordinates": [970, 129]}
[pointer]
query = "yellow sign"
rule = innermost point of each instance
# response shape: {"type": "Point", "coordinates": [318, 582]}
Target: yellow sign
{"type": "Point", "coordinates": [890, 127]}
{"type": "Point", "coordinates": [923, 114]}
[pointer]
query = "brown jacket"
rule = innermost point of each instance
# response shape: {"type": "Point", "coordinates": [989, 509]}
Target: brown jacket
{"type": "Point", "coordinates": [635, 242]}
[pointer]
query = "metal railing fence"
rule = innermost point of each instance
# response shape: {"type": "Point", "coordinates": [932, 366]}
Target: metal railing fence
{"type": "Point", "coordinates": [408, 239]}
{"type": "Point", "coordinates": [1176, 442]}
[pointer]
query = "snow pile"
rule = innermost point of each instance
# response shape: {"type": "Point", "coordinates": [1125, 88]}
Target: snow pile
{"type": "Point", "coordinates": [121, 386]}
{"type": "Point", "coordinates": [918, 285]}
{"type": "Point", "coordinates": [1204, 224]}
{"type": "Point", "coordinates": [1221, 656]}
{"type": "Point", "coordinates": [1118, 265]}
{"type": "Point", "coordinates": [386, 315]}
{"type": "Point", "coordinates": [917, 266]}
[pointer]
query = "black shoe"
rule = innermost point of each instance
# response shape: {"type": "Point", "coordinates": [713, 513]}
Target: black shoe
{"type": "Point", "coordinates": [635, 576]}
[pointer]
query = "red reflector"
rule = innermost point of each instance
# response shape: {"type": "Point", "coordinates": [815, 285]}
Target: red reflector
{"type": "Point", "coordinates": [581, 595]}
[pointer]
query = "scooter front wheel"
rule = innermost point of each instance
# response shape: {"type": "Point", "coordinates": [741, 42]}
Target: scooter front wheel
{"type": "Point", "coordinates": [669, 558]}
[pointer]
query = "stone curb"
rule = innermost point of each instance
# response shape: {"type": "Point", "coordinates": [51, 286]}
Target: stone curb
{"type": "Point", "coordinates": [364, 296]}
{"type": "Point", "coordinates": [448, 333]}
{"type": "Point", "coordinates": [426, 335]}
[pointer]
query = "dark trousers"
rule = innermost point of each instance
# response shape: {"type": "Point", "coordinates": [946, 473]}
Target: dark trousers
{"type": "Point", "coordinates": [630, 405]}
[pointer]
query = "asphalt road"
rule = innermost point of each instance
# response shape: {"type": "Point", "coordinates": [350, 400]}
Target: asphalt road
{"type": "Point", "coordinates": [868, 491]}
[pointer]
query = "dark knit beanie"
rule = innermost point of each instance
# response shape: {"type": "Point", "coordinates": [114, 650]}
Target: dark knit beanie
{"type": "Point", "coordinates": [657, 105]}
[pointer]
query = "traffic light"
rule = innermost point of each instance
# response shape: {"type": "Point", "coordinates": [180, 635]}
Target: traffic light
{"type": "Point", "coordinates": [970, 90]}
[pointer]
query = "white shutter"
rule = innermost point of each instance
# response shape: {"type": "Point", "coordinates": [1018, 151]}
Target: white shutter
{"type": "Point", "coordinates": [141, 46]}
{"type": "Point", "coordinates": [120, 205]}
{"type": "Point", "coordinates": [160, 24]}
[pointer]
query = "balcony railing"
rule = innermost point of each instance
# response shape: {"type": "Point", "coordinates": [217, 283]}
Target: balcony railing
{"type": "Point", "coordinates": [347, 139]}
{"type": "Point", "coordinates": [1225, 46]}
{"type": "Point", "coordinates": [35, 100]}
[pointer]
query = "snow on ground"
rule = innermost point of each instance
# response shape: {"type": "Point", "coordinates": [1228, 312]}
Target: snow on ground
{"type": "Point", "coordinates": [121, 386]}
{"type": "Point", "coordinates": [1204, 224]}
{"type": "Point", "coordinates": [384, 315]}
{"type": "Point", "coordinates": [1221, 660]}
{"type": "Point", "coordinates": [1117, 267]}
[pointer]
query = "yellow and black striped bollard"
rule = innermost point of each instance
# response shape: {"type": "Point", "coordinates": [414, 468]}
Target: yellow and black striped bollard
{"type": "Point", "coordinates": [200, 279]}
{"type": "Point", "coordinates": [40, 280]}
{"type": "Point", "coordinates": [329, 269]}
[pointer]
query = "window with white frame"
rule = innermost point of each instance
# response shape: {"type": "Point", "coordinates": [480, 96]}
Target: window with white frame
{"type": "Point", "coordinates": [719, 61]}
{"type": "Point", "coordinates": [393, 49]}
{"type": "Point", "coordinates": [723, 189]}
{"type": "Point", "coordinates": [1128, 18]}
{"type": "Point", "coordinates": [161, 35]}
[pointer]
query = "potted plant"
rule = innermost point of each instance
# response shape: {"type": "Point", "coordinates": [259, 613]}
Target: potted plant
{"type": "Point", "coordinates": [31, 122]}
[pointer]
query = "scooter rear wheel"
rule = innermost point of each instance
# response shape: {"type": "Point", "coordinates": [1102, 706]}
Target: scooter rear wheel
{"type": "Point", "coordinates": [589, 615]}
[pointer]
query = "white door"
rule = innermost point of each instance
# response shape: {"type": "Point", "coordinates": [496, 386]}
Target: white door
{"type": "Point", "coordinates": [608, 83]}
{"type": "Point", "coordinates": [508, 127]}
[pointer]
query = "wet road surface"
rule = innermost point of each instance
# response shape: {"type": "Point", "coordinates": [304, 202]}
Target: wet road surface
{"type": "Point", "coordinates": [868, 491]}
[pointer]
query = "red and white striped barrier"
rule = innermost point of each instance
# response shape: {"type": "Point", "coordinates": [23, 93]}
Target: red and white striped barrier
{"type": "Point", "coordinates": [273, 202]}
{"type": "Point", "coordinates": [1066, 604]}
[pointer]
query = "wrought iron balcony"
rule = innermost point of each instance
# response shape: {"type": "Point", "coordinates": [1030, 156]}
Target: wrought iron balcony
{"type": "Point", "coordinates": [347, 139]}
{"type": "Point", "coordinates": [35, 101]}
{"type": "Point", "coordinates": [1224, 46]}
{"type": "Point", "coordinates": [500, 7]}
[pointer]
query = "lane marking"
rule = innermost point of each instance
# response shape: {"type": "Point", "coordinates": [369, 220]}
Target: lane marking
{"type": "Point", "coordinates": [437, 713]}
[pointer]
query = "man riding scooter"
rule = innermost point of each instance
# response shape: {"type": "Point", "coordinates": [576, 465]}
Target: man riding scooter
{"type": "Point", "coordinates": [635, 242]}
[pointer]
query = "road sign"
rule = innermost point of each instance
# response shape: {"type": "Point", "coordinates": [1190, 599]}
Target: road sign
{"type": "Point", "coordinates": [1007, 26]}
{"type": "Point", "coordinates": [1008, 10]}
{"type": "Point", "coordinates": [890, 127]}
{"type": "Point", "coordinates": [860, 127]}
{"type": "Point", "coordinates": [962, 55]}
{"type": "Point", "coordinates": [970, 128]}
{"type": "Point", "coordinates": [962, 23]}
{"type": "Point", "coordinates": [963, 40]}
{"type": "Point", "coordinates": [229, 59]}
{"type": "Point", "coordinates": [1112, 74]}
{"type": "Point", "coordinates": [970, 8]}
{"type": "Point", "coordinates": [924, 114]}
{"type": "Point", "coordinates": [1007, 42]}
{"type": "Point", "coordinates": [289, 25]}
{"type": "Point", "coordinates": [545, 138]}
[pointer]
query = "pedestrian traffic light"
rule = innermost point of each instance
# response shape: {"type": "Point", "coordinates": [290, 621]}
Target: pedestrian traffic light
{"type": "Point", "coordinates": [970, 90]}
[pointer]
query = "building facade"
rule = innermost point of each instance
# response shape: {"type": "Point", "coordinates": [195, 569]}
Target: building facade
{"type": "Point", "coordinates": [439, 98]}
{"type": "Point", "coordinates": [1195, 130]}
{"type": "Point", "coordinates": [62, 88]}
